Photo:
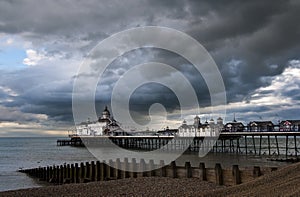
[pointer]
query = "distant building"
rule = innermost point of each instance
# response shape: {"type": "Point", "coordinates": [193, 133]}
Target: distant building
{"type": "Point", "coordinates": [234, 126]}
{"type": "Point", "coordinates": [256, 126]}
{"type": "Point", "coordinates": [106, 125]}
{"type": "Point", "coordinates": [289, 125]}
{"type": "Point", "coordinates": [167, 131]}
{"type": "Point", "coordinates": [199, 129]}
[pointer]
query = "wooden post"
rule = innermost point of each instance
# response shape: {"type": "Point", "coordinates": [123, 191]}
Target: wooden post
{"type": "Point", "coordinates": [61, 175]}
{"type": "Point", "coordinates": [68, 173]}
{"type": "Point", "coordinates": [82, 172]}
{"type": "Point", "coordinates": [72, 174]}
{"type": "Point", "coordinates": [273, 169]}
{"type": "Point", "coordinates": [111, 169]}
{"type": "Point", "coordinates": [76, 173]}
{"type": "Point", "coordinates": [50, 174]}
{"type": "Point", "coordinates": [57, 174]}
{"type": "Point", "coordinates": [163, 171]}
{"type": "Point", "coordinates": [133, 168]}
{"type": "Point", "coordinates": [125, 168]}
{"type": "Point", "coordinates": [118, 168]}
{"type": "Point", "coordinates": [188, 169]}
{"type": "Point", "coordinates": [142, 168]}
{"type": "Point", "coordinates": [93, 171]}
{"type": "Point", "coordinates": [219, 174]}
{"type": "Point", "coordinates": [151, 167]}
{"type": "Point", "coordinates": [174, 169]}
{"type": "Point", "coordinates": [102, 171]}
{"type": "Point", "coordinates": [202, 172]}
{"type": "Point", "coordinates": [236, 175]}
{"type": "Point", "coordinates": [256, 171]}
{"type": "Point", "coordinates": [47, 174]}
{"type": "Point", "coordinates": [98, 173]}
{"type": "Point", "coordinates": [87, 177]}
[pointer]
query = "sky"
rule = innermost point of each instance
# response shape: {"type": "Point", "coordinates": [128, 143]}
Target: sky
{"type": "Point", "coordinates": [255, 45]}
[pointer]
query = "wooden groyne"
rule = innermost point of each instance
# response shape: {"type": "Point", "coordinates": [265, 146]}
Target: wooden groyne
{"type": "Point", "coordinates": [101, 171]}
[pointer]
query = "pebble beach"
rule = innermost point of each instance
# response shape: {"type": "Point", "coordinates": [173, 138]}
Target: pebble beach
{"type": "Point", "coordinates": [284, 182]}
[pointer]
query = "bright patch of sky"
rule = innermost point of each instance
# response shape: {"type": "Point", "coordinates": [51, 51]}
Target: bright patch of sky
{"type": "Point", "coordinates": [12, 53]}
{"type": "Point", "coordinates": [12, 58]}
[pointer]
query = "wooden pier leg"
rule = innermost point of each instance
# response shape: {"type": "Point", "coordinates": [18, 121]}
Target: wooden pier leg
{"type": "Point", "coordinates": [260, 139]}
{"type": "Point", "coordinates": [188, 169]}
{"type": "Point", "coordinates": [202, 172]}
{"type": "Point", "coordinates": [277, 147]}
{"type": "Point", "coordinates": [253, 141]}
{"type": "Point", "coordinates": [295, 142]}
{"type": "Point", "coordinates": [286, 145]}
{"type": "Point", "coordinates": [246, 146]}
{"type": "Point", "coordinates": [236, 175]}
{"type": "Point", "coordinates": [222, 145]}
{"type": "Point", "coordinates": [269, 145]}
{"type": "Point", "coordinates": [219, 174]}
{"type": "Point", "coordinates": [238, 149]}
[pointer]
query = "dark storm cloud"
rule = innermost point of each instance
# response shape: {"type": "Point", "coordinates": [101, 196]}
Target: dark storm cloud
{"type": "Point", "coordinates": [259, 33]}
{"type": "Point", "coordinates": [245, 38]}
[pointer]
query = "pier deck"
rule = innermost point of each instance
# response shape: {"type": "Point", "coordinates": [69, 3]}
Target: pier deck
{"type": "Point", "coordinates": [255, 143]}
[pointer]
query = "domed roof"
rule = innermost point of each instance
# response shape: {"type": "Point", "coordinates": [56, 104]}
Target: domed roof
{"type": "Point", "coordinates": [197, 118]}
{"type": "Point", "coordinates": [105, 111]}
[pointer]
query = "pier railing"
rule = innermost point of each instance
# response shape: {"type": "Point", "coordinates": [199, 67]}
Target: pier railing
{"type": "Point", "coordinates": [101, 171]}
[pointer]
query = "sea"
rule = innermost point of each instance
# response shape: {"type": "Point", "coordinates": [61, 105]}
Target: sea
{"type": "Point", "coordinates": [23, 153]}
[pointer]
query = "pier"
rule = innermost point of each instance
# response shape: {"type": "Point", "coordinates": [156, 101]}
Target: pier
{"type": "Point", "coordinates": [248, 143]}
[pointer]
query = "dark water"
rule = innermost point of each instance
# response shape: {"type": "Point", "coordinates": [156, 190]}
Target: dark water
{"type": "Point", "coordinates": [18, 153]}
